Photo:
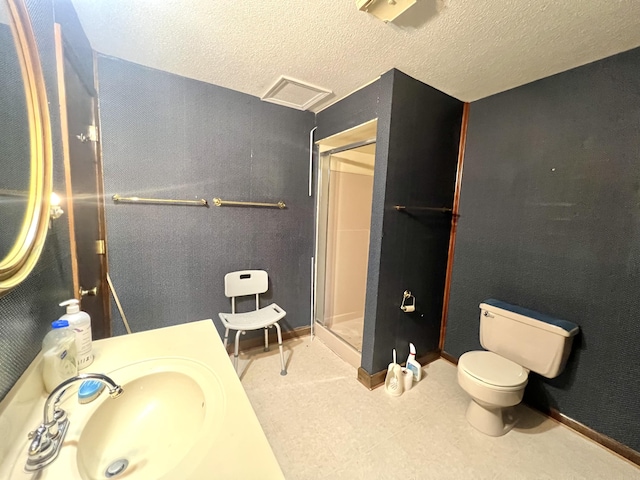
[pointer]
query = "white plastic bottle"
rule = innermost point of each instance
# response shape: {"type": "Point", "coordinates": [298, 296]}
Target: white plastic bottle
{"type": "Point", "coordinates": [413, 365]}
{"type": "Point", "coordinates": [58, 355]}
{"type": "Point", "coordinates": [80, 322]}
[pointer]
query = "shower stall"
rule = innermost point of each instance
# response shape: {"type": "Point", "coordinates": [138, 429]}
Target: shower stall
{"type": "Point", "coordinates": [345, 191]}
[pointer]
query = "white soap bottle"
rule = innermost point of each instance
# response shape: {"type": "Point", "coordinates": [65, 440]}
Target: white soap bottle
{"type": "Point", "coordinates": [413, 365]}
{"type": "Point", "coordinates": [58, 355]}
{"type": "Point", "coordinates": [80, 322]}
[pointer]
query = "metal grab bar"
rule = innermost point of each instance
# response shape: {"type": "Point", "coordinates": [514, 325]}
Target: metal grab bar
{"type": "Point", "coordinates": [403, 208]}
{"type": "Point", "coordinates": [218, 202]}
{"type": "Point", "coordinates": [160, 201]}
{"type": "Point", "coordinates": [14, 193]}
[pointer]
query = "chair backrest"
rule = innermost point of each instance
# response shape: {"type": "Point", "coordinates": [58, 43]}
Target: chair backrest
{"type": "Point", "coordinates": [245, 282]}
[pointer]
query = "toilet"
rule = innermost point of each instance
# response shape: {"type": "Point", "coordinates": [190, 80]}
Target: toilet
{"type": "Point", "coordinates": [517, 340]}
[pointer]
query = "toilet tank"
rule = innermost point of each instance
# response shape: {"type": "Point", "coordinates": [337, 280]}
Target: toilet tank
{"type": "Point", "coordinates": [533, 340]}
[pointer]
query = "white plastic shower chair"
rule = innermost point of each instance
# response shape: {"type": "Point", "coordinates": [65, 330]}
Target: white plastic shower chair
{"type": "Point", "coordinates": [250, 282]}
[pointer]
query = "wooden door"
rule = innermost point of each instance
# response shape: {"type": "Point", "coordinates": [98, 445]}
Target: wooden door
{"type": "Point", "coordinates": [85, 200]}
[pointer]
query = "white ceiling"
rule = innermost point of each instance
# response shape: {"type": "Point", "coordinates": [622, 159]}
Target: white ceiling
{"type": "Point", "coordinates": [469, 49]}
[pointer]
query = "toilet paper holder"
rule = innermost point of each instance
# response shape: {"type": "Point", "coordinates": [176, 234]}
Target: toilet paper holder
{"type": "Point", "coordinates": [411, 307]}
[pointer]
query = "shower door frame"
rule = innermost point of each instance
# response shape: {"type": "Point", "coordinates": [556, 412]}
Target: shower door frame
{"type": "Point", "coordinates": [322, 211]}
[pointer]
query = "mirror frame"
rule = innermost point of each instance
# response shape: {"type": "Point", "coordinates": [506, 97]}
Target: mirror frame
{"type": "Point", "coordinates": [24, 254]}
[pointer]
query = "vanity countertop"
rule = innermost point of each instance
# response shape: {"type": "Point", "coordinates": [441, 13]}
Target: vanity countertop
{"type": "Point", "coordinates": [238, 448]}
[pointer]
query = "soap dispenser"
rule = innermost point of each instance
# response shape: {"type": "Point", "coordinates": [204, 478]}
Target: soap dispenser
{"type": "Point", "coordinates": [80, 322]}
{"type": "Point", "coordinates": [58, 355]}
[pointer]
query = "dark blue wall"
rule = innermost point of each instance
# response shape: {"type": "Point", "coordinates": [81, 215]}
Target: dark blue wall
{"type": "Point", "coordinates": [356, 109]}
{"type": "Point", "coordinates": [166, 136]}
{"type": "Point", "coordinates": [76, 44]}
{"type": "Point", "coordinates": [27, 311]}
{"type": "Point", "coordinates": [416, 160]}
{"type": "Point", "coordinates": [550, 220]}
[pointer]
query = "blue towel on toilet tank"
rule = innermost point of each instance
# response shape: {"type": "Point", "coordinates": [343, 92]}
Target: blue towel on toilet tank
{"type": "Point", "coordinates": [564, 324]}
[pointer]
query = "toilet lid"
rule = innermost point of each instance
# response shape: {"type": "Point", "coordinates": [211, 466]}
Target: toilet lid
{"type": "Point", "coordinates": [493, 369]}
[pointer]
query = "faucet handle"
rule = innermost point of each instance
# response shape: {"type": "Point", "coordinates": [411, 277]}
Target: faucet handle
{"type": "Point", "coordinates": [53, 427]}
{"type": "Point", "coordinates": [40, 440]}
{"type": "Point", "coordinates": [37, 432]}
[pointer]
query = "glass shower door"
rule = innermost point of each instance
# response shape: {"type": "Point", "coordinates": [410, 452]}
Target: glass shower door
{"type": "Point", "coordinates": [344, 217]}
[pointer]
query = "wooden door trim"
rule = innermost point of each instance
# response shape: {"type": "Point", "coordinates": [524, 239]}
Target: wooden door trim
{"type": "Point", "coordinates": [60, 53]}
{"type": "Point", "coordinates": [64, 130]}
{"type": "Point", "coordinates": [454, 225]}
{"type": "Point", "coordinates": [102, 214]}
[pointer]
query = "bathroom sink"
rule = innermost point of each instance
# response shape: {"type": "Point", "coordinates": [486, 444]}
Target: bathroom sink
{"type": "Point", "coordinates": [161, 427]}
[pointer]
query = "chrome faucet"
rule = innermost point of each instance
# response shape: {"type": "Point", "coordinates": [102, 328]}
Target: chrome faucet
{"type": "Point", "coordinates": [47, 439]}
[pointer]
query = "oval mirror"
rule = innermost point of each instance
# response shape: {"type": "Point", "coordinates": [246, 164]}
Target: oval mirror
{"type": "Point", "coordinates": [25, 147]}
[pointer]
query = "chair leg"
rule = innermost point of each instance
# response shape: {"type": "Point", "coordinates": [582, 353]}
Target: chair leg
{"type": "Point", "coordinates": [266, 339]}
{"type": "Point", "coordinates": [284, 368]}
{"type": "Point", "coordinates": [235, 352]}
{"type": "Point", "coordinates": [226, 337]}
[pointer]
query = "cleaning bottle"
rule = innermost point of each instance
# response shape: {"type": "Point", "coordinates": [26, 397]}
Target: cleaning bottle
{"type": "Point", "coordinates": [413, 365]}
{"type": "Point", "coordinates": [80, 322]}
{"type": "Point", "coordinates": [58, 355]}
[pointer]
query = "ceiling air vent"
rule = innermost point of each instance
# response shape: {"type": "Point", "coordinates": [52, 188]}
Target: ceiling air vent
{"type": "Point", "coordinates": [294, 93]}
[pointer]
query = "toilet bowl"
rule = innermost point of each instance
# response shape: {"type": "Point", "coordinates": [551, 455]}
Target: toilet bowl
{"type": "Point", "coordinates": [493, 383]}
{"type": "Point", "coordinates": [516, 341]}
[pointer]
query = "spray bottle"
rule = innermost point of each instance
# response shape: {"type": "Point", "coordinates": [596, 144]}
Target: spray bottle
{"type": "Point", "coordinates": [413, 365]}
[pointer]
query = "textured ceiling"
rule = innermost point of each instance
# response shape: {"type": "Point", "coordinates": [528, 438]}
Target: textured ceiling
{"type": "Point", "coordinates": [467, 48]}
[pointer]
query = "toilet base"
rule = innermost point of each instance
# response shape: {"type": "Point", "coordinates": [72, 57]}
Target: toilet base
{"type": "Point", "coordinates": [492, 421]}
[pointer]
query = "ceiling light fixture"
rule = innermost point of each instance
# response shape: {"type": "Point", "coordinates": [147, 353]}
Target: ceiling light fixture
{"type": "Point", "coordinates": [385, 10]}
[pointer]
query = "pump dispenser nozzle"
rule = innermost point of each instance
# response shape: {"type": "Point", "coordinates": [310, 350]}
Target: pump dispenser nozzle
{"type": "Point", "coordinates": [73, 305]}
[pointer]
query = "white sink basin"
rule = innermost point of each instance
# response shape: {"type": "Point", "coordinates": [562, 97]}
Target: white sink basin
{"type": "Point", "coordinates": [160, 427]}
{"type": "Point", "coordinates": [183, 415]}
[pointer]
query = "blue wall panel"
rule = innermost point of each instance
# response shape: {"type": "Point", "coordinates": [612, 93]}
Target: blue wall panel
{"type": "Point", "coordinates": [549, 220]}
{"type": "Point", "coordinates": [166, 136]}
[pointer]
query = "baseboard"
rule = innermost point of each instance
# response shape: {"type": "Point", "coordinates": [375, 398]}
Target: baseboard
{"type": "Point", "coordinates": [371, 381]}
{"type": "Point", "coordinates": [607, 442]}
{"type": "Point", "coordinates": [449, 358]}
{"type": "Point", "coordinates": [428, 358]}
{"type": "Point", "coordinates": [258, 341]}
{"type": "Point", "coordinates": [599, 438]}
{"type": "Point", "coordinates": [377, 379]}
